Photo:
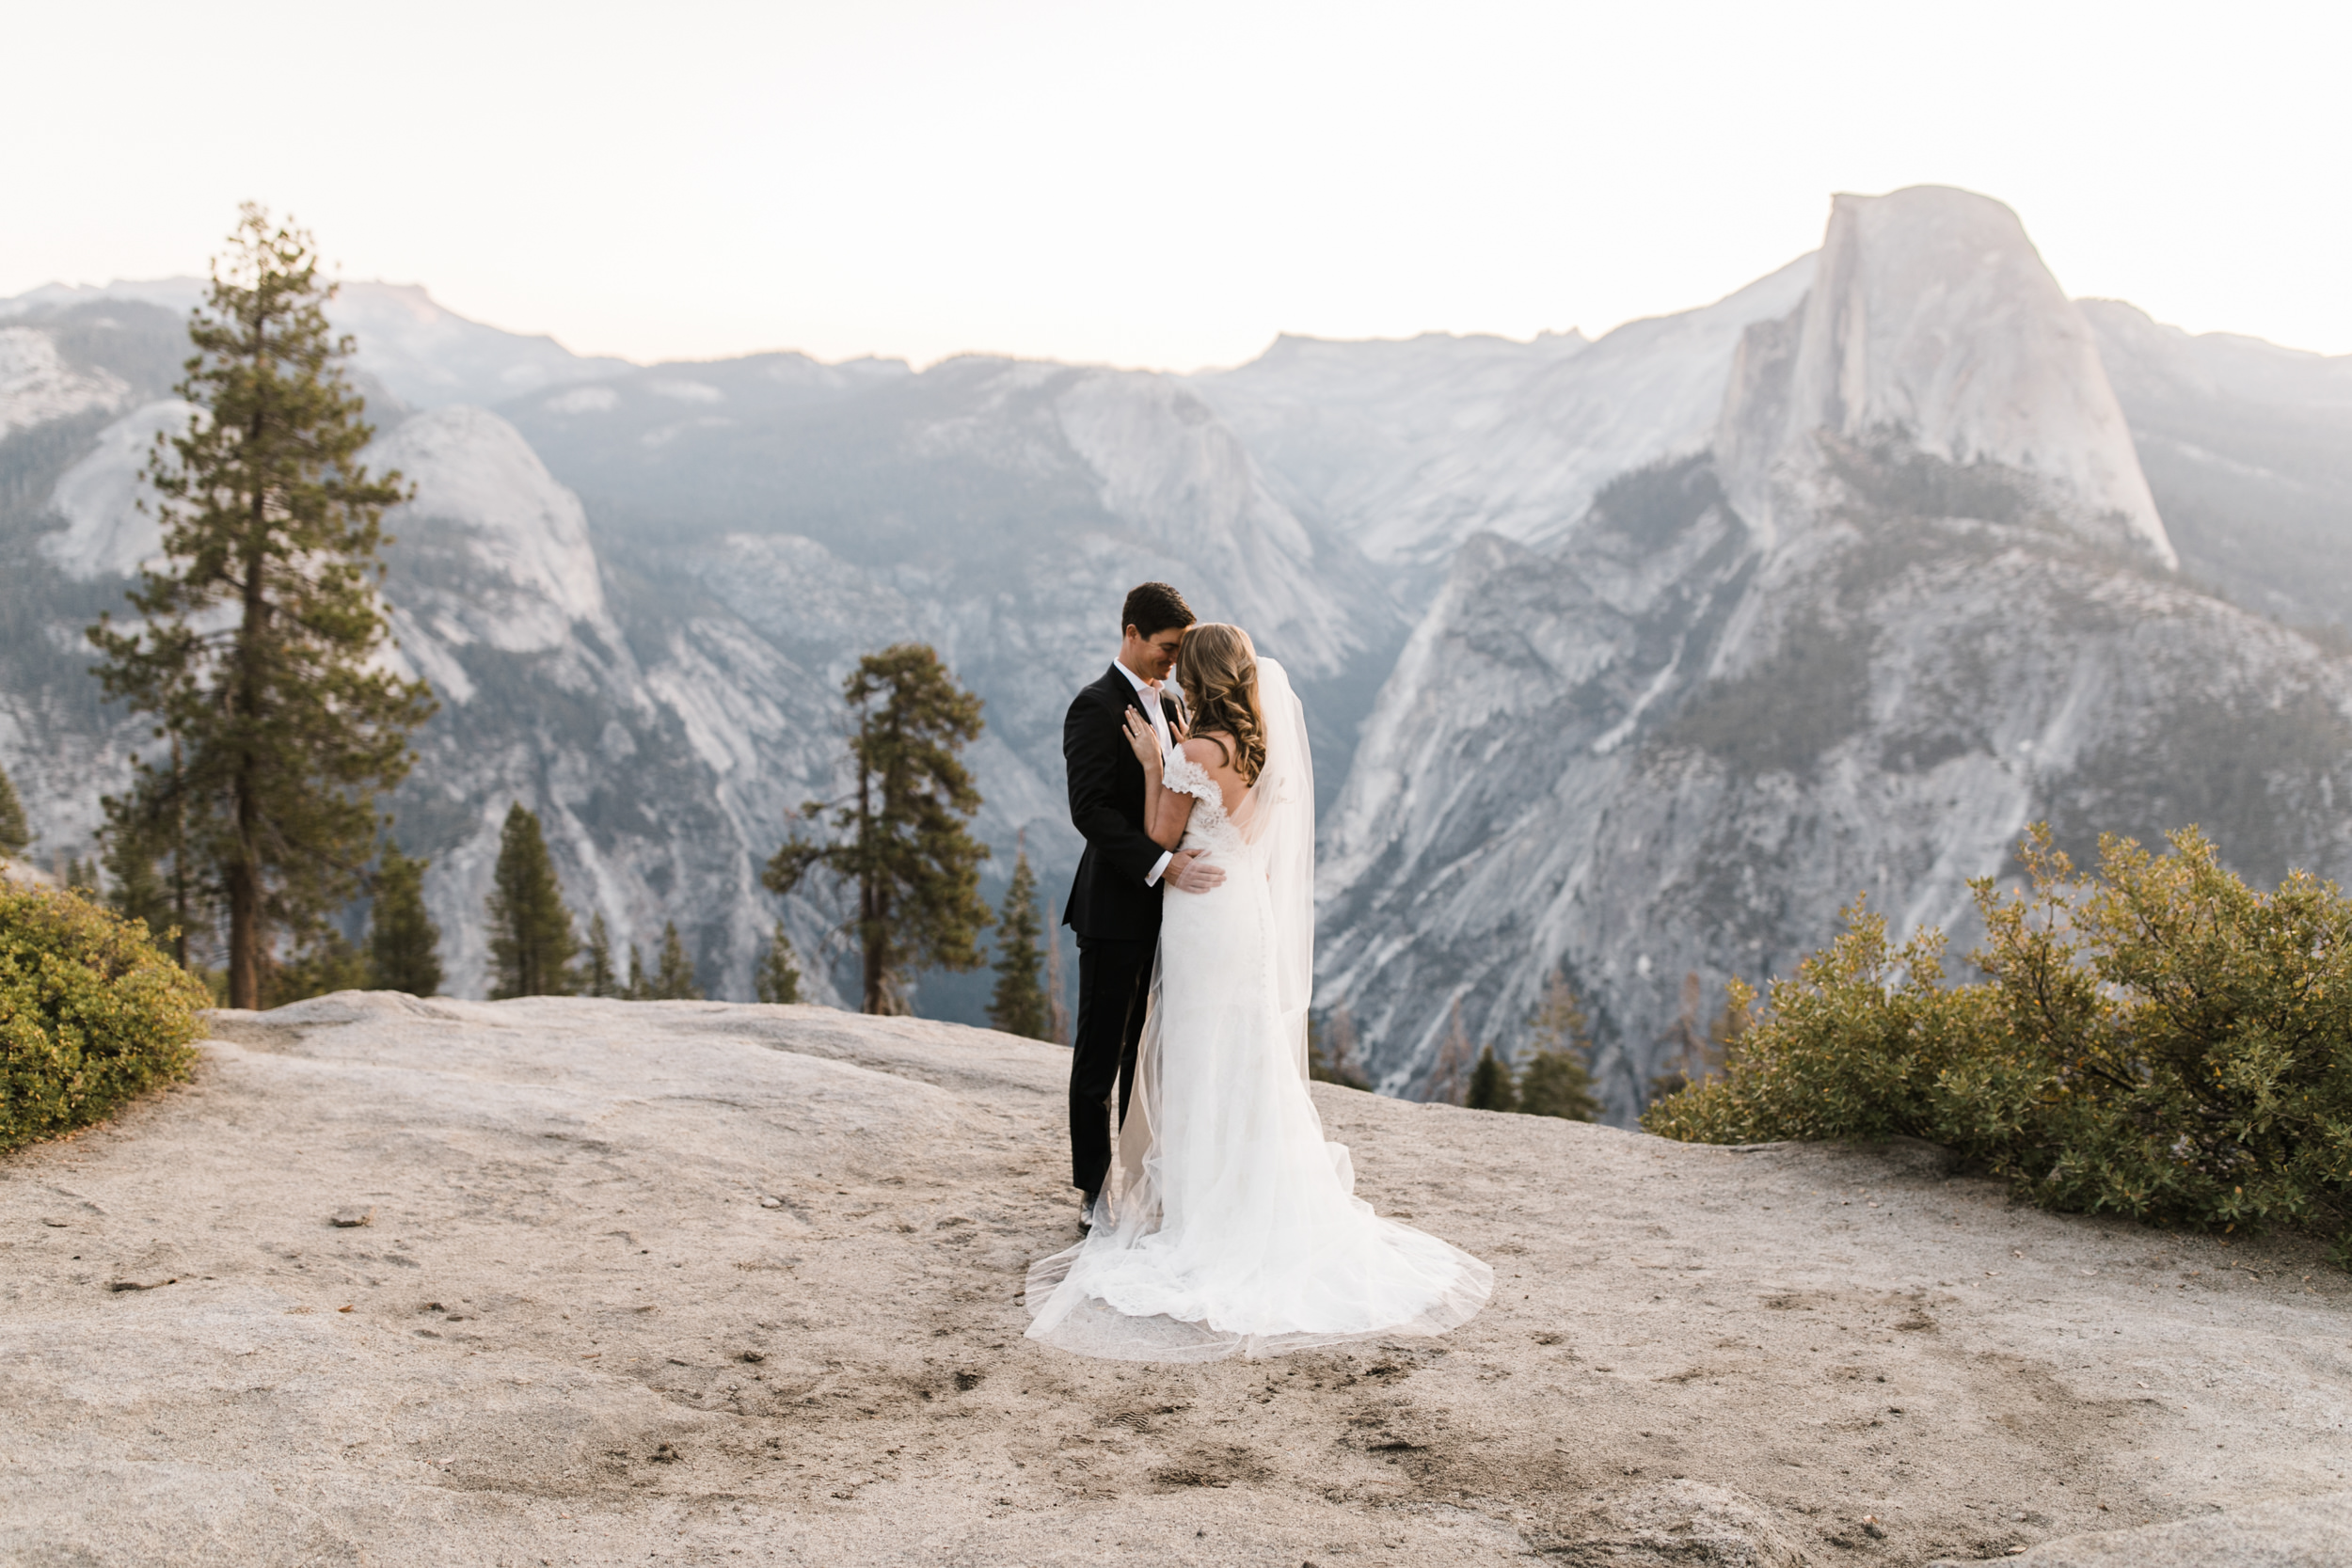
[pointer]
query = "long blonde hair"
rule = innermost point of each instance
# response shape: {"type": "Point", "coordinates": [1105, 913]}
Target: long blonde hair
{"type": "Point", "coordinates": [1217, 667]}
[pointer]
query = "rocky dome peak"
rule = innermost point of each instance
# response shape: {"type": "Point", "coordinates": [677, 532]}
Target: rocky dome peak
{"type": "Point", "coordinates": [1931, 314]}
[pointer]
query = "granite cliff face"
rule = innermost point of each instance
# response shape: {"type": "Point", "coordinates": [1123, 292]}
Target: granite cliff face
{"type": "Point", "coordinates": [1408, 448]}
{"type": "Point", "coordinates": [1635, 657]}
{"type": "Point", "coordinates": [637, 595]}
{"type": "Point", "coordinates": [1859, 645]}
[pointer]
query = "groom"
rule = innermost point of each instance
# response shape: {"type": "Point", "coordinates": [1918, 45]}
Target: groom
{"type": "Point", "coordinates": [1113, 908]}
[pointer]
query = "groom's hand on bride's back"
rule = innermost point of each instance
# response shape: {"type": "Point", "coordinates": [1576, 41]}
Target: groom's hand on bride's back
{"type": "Point", "coordinates": [1192, 872]}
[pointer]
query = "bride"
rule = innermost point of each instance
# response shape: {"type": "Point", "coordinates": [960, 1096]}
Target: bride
{"type": "Point", "coordinates": [1233, 1228]}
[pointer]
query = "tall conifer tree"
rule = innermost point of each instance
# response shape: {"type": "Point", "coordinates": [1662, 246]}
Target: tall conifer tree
{"type": "Point", "coordinates": [901, 841]}
{"type": "Point", "coordinates": [1020, 1005]}
{"type": "Point", "coordinates": [599, 980]}
{"type": "Point", "coordinates": [1490, 1085]}
{"type": "Point", "coordinates": [531, 931]}
{"type": "Point", "coordinates": [404, 943]}
{"type": "Point", "coordinates": [259, 638]}
{"type": "Point", "coordinates": [674, 980]}
{"type": "Point", "coordinates": [778, 980]}
{"type": "Point", "coordinates": [1557, 1077]}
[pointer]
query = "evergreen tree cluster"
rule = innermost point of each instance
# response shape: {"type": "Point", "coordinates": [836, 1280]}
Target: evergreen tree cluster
{"type": "Point", "coordinates": [254, 648]}
{"type": "Point", "coordinates": [1556, 1077]}
{"type": "Point", "coordinates": [533, 944]}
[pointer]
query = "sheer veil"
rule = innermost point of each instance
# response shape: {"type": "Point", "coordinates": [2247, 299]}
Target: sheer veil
{"type": "Point", "coordinates": [1281, 828]}
{"type": "Point", "coordinates": [1233, 1227]}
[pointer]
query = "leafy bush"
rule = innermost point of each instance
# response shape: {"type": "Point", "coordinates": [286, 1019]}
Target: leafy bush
{"type": "Point", "coordinates": [2157, 1040]}
{"type": "Point", "coordinates": [90, 1013]}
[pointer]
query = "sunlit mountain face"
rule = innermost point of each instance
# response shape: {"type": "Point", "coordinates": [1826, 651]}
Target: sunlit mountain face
{"type": "Point", "coordinates": [1634, 659]}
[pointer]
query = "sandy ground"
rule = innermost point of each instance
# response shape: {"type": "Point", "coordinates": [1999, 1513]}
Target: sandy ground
{"type": "Point", "coordinates": [704, 1283]}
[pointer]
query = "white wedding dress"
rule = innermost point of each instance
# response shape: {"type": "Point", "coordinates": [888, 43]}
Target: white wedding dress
{"type": "Point", "coordinates": [1234, 1228]}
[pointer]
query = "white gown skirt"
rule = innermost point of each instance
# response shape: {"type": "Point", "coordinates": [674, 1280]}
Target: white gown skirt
{"type": "Point", "coordinates": [1236, 1229]}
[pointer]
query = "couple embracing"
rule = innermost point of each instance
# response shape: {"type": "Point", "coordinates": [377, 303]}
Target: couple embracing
{"type": "Point", "coordinates": [1217, 1219]}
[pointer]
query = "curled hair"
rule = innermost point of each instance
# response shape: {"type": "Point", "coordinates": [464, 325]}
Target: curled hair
{"type": "Point", "coordinates": [1217, 667]}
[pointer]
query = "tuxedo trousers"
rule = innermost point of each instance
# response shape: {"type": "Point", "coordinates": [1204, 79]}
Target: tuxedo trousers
{"type": "Point", "coordinates": [1114, 990]}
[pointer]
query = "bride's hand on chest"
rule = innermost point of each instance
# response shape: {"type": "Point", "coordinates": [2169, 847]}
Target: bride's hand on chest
{"type": "Point", "coordinates": [1144, 739]}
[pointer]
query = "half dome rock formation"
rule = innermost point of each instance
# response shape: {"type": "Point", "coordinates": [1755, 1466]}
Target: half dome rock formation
{"type": "Point", "coordinates": [1931, 319]}
{"type": "Point", "coordinates": [1915, 599]}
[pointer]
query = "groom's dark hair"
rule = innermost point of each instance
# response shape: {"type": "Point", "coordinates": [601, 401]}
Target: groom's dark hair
{"type": "Point", "coordinates": [1152, 608]}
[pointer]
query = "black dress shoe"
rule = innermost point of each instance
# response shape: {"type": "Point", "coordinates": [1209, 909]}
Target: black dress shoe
{"type": "Point", "coordinates": [1085, 1212]}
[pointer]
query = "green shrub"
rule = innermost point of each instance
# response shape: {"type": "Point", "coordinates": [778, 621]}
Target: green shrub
{"type": "Point", "coordinates": [90, 1013]}
{"type": "Point", "coordinates": [2157, 1040]}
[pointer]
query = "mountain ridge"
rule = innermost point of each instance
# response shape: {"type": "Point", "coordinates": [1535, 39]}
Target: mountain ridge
{"type": "Point", "coordinates": [639, 586]}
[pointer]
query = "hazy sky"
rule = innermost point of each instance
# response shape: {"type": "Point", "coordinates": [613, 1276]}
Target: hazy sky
{"type": "Point", "coordinates": [1168, 184]}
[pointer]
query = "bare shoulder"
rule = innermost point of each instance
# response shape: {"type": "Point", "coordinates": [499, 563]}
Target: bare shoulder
{"type": "Point", "coordinates": [1208, 752]}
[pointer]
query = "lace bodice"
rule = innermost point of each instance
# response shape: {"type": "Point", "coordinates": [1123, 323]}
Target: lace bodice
{"type": "Point", "coordinates": [1208, 828]}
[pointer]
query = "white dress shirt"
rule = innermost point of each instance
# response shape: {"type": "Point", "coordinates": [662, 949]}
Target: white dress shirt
{"type": "Point", "coordinates": [1149, 695]}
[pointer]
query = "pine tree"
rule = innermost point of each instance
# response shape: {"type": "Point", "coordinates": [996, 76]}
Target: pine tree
{"type": "Point", "coordinates": [1019, 1007]}
{"type": "Point", "coordinates": [80, 876]}
{"type": "Point", "coordinates": [599, 979]}
{"type": "Point", "coordinates": [1556, 1079]}
{"type": "Point", "coordinates": [778, 980]}
{"type": "Point", "coordinates": [674, 981]}
{"type": "Point", "coordinates": [14, 834]}
{"type": "Point", "coordinates": [403, 941]}
{"type": "Point", "coordinates": [639, 988]}
{"type": "Point", "coordinates": [900, 840]}
{"type": "Point", "coordinates": [531, 931]}
{"type": "Point", "coordinates": [1490, 1085]}
{"type": "Point", "coordinates": [258, 644]}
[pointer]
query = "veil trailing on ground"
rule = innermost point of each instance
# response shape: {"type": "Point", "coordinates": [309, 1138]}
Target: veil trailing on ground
{"type": "Point", "coordinates": [1232, 1223]}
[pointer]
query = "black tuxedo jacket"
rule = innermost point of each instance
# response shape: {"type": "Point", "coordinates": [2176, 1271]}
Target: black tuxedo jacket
{"type": "Point", "coordinates": [1108, 898]}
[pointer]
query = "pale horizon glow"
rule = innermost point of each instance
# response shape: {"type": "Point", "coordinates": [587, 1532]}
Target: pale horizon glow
{"type": "Point", "coordinates": [1168, 187]}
